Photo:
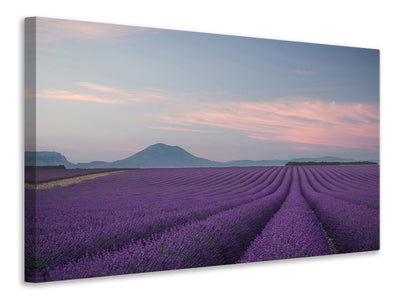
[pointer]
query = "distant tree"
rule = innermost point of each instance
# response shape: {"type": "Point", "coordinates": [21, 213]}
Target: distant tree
{"type": "Point", "coordinates": [45, 167]}
{"type": "Point", "coordinates": [315, 163]}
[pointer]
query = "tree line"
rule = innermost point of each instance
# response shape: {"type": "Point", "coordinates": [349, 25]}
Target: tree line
{"type": "Point", "coordinates": [318, 163]}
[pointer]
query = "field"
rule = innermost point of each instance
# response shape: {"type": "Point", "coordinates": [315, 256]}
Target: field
{"type": "Point", "coordinates": [161, 219]}
{"type": "Point", "coordinates": [46, 175]}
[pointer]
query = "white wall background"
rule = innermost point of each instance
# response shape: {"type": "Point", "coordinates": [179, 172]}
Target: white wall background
{"type": "Point", "coordinates": [371, 24]}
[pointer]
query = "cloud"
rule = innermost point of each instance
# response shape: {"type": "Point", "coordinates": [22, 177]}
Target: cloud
{"type": "Point", "coordinates": [67, 95]}
{"type": "Point", "coordinates": [99, 87]}
{"type": "Point", "coordinates": [176, 128]}
{"type": "Point", "coordinates": [259, 137]}
{"type": "Point", "coordinates": [104, 94]}
{"type": "Point", "coordinates": [294, 119]}
{"type": "Point", "coordinates": [290, 119]}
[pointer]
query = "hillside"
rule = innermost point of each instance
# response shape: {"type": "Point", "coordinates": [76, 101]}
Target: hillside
{"type": "Point", "coordinates": [162, 156]}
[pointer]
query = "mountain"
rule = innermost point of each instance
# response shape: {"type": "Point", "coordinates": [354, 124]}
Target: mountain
{"type": "Point", "coordinates": [46, 158]}
{"type": "Point", "coordinates": [161, 156]}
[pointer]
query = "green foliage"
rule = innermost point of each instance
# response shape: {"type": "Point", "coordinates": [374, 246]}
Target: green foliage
{"type": "Point", "coordinates": [316, 163]}
{"type": "Point", "coordinates": [44, 167]}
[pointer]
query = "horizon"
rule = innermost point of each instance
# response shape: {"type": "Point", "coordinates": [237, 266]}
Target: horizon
{"type": "Point", "coordinates": [293, 158]}
{"type": "Point", "coordinates": [104, 92]}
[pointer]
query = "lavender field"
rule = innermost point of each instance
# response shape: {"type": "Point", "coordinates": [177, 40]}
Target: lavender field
{"type": "Point", "coordinates": [46, 175]}
{"type": "Point", "coordinates": [162, 219]}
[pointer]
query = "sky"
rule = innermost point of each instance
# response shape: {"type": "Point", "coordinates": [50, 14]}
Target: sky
{"type": "Point", "coordinates": [105, 92]}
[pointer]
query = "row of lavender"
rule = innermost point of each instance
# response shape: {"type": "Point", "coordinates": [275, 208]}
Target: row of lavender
{"type": "Point", "coordinates": [342, 201]}
{"type": "Point", "coordinates": [67, 223]}
{"type": "Point", "coordinates": [161, 219]}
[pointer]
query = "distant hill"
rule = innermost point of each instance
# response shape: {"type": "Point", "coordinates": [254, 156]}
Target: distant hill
{"type": "Point", "coordinates": [161, 156]}
{"type": "Point", "coordinates": [46, 158]}
{"type": "Point", "coordinates": [53, 167]}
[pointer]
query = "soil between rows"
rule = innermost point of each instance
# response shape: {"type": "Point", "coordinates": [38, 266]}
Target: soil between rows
{"type": "Point", "coordinates": [67, 181]}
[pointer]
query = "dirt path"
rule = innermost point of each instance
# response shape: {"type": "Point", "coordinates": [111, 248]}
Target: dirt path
{"type": "Point", "coordinates": [67, 181]}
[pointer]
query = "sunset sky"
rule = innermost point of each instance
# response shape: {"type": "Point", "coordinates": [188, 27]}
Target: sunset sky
{"type": "Point", "coordinates": [105, 92]}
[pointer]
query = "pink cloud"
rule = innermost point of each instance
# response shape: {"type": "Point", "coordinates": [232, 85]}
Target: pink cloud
{"type": "Point", "coordinates": [176, 128]}
{"type": "Point", "coordinates": [99, 87]}
{"type": "Point", "coordinates": [134, 96]}
{"type": "Point", "coordinates": [67, 95]}
{"type": "Point", "coordinates": [104, 94]}
{"type": "Point", "coordinates": [301, 120]}
{"type": "Point", "coordinates": [259, 137]}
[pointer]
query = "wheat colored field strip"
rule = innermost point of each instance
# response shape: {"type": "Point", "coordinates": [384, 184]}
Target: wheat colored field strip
{"type": "Point", "coordinates": [67, 181]}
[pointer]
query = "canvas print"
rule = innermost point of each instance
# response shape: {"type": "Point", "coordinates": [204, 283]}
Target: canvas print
{"type": "Point", "coordinates": [151, 149]}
